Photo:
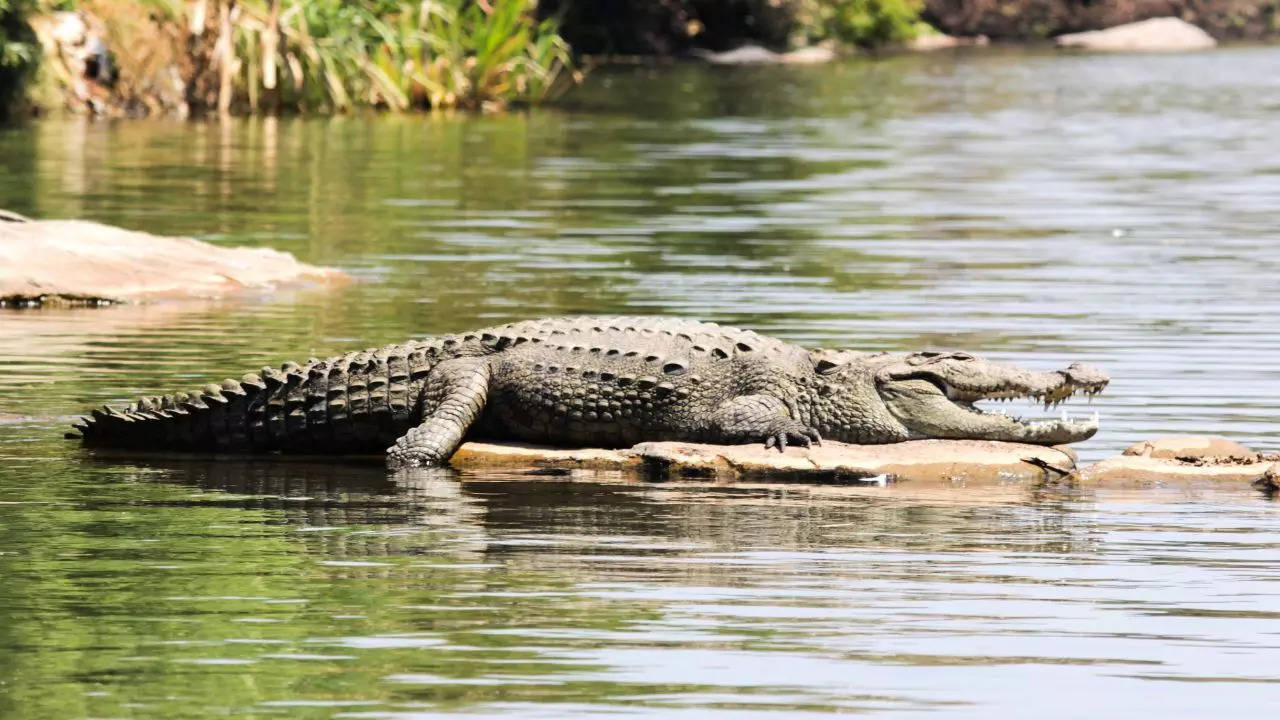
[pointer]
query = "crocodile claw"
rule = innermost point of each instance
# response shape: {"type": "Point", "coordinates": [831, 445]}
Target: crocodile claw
{"type": "Point", "coordinates": [800, 435]}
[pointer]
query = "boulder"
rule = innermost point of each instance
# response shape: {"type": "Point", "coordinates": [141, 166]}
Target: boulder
{"type": "Point", "coordinates": [80, 262]}
{"type": "Point", "coordinates": [951, 461]}
{"type": "Point", "coordinates": [1167, 34]}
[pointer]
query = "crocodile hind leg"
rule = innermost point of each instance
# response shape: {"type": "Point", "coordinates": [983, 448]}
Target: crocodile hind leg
{"type": "Point", "coordinates": [452, 399]}
{"type": "Point", "coordinates": [752, 418]}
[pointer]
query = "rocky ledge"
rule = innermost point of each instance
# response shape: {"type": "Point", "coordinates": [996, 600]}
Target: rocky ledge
{"type": "Point", "coordinates": [1174, 460]}
{"type": "Point", "coordinates": [85, 263]}
{"type": "Point", "coordinates": [1185, 459]}
{"type": "Point", "coordinates": [953, 461]}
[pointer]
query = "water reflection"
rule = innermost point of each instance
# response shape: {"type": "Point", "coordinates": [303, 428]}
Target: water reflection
{"type": "Point", "coordinates": [331, 585]}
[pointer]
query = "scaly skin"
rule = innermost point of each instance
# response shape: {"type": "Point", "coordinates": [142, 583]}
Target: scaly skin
{"type": "Point", "coordinates": [594, 381]}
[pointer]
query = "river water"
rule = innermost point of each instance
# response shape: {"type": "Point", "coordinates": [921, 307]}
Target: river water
{"type": "Point", "coordinates": [1035, 208]}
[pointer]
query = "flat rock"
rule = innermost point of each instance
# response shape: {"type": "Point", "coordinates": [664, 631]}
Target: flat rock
{"type": "Point", "coordinates": [808, 56]}
{"type": "Point", "coordinates": [77, 260]}
{"type": "Point", "coordinates": [757, 55]}
{"type": "Point", "coordinates": [517, 455]}
{"type": "Point", "coordinates": [1170, 447]}
{"type": "Point", "coordinates": [1144, 471]}
{"type": "Point", "coordinates": [1166, 34]}
{"type": "Point", "coordinates": [941, 41]}
{"type": "Point", "coordinates": [951, 461]}
{"type": "Point", "coordinates": [1183, 459]}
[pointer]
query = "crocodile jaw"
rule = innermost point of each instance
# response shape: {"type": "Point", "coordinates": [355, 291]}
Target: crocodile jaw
{"type": "Point", "coordinates": [931, 405]}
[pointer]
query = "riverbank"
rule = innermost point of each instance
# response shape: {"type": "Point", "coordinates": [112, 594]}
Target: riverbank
{"type": "Point", "coordinates": [195, 57]}
{"type": "Point", "coordinates": [1029, 20]}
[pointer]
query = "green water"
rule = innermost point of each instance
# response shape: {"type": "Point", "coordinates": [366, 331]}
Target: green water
{"type": "Point", "coordinates": [1033, 208]}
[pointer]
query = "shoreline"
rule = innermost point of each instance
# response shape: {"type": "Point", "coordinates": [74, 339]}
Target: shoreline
{"type": "Point", "coordinates": [84, 70]}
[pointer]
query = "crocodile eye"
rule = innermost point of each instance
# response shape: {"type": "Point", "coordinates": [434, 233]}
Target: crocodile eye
{"type": "Point", "coordinates": [961, 356]}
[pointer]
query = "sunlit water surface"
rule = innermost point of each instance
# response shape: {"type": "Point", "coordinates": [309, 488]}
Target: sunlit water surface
{"type": "Point", "coordinates": [1034, 208]}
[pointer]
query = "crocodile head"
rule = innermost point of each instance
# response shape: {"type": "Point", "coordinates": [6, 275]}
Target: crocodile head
{"type": "Point", "coordinates": [935, 394]}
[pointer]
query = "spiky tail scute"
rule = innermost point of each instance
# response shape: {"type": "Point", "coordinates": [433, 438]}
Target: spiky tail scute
{"type": "Point", "coordinates": [358, 402]}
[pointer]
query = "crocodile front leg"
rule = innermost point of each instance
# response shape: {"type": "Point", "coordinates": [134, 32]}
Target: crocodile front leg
{"type": "Point", "coordinates": [751, 418]}
{"type": "Point", "coordinates": [453, 398]}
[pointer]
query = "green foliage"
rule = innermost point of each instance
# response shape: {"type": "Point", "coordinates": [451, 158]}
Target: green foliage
{"type": "Point", "coordinates": [19, 52]}
{"type": "Point", "coordinates": [673, 27]}
{"type": "Point", "coordinates": [327, 55]}
{"type": "Point", "coordinates": [334, 55]}
{"type": "Point", "coordinates": [865, 23]}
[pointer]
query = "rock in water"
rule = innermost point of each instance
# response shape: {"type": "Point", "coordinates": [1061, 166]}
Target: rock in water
{"type": "Point", "coordinates": [1182, 458]}
{"type": "Point", "coordinates": [940, 41]}
{"type": "Point", "coordinates": [77, 260]}
{"type": "Point", "coordinates": [1167, 34]}
{"type": "Point", "coordinates": [756, 55]}
{"type": "Point", "coordinates": [1171, 447]}
{"type": "Point", "coordinates": [928, 461]}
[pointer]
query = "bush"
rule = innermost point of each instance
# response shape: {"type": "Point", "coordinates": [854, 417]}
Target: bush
{"type": "Point", "coordinates": [673, 27]}
{"type": "Point", "coordinates": [19, 53]}
{"type": "Point", "coordinates": [326, 55]}
{"type": "Point", "coordinates": [398, 54]}
{"type": "Point", "coordinates": [863, 23]}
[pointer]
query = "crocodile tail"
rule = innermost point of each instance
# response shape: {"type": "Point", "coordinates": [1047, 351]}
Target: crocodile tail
{"type": "Point", "coordinates": [216, 419]}
{"type": "Point", "coordinates": [358, 402]}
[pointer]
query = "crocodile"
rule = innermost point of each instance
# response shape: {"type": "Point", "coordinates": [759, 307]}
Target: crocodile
{"type": "Point", "coordinates": [596, 381]}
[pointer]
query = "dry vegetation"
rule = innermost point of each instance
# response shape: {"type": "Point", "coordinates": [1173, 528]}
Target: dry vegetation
{"type": "Point", "coordinates": [325, 55]}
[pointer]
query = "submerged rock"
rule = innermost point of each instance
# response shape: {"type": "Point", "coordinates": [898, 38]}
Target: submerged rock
{"type": "Point", "coordinates": [976, 461]}
{"type": "Point", "coordinates": [757, 55]}
{"type": "Point", "coordinates": [1167, 34]}
{"type": "Point", "coordinates": [87, 263]}
{"type": "Point", "coordinates": [940, 41]}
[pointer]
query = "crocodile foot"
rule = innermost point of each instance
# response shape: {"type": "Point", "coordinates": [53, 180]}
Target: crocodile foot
{"type": "Point", "coordinates": [788, 430]}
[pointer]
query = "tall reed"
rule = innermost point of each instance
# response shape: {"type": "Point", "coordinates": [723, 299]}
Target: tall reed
{"type": "Point", "coordinates": [333, 55]}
